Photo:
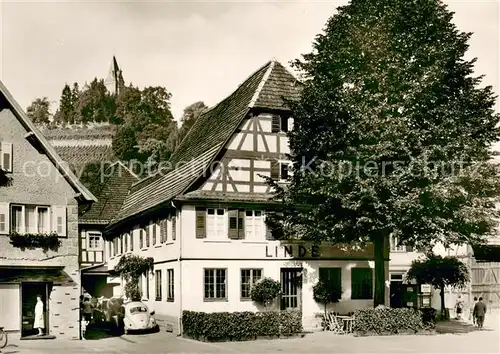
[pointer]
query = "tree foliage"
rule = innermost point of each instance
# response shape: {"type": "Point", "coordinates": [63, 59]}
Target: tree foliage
{"type": "Point", "coordinates": [189, 117]}
{"type": "Point", "coordinates": [440, 272]}
{"type": "Point", "coordinates": [39, 111]}
{"type": "Point", "coordinates": [5, 179]}
{"type": "Point", "coordinates": [131, 268]}
{"type": "Point", "coordinates": [391, 134]}
{"type": "Point", "coordinates": [324, 293]}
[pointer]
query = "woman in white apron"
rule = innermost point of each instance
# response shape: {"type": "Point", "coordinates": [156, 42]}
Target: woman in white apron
{"type": "Point", "coordinates": [39, 320]}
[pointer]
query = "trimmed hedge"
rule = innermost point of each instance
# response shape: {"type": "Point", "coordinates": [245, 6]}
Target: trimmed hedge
{"type": "Point", "coordinates": [393, 321]}
{"type": "Point", "coordinates": [237, 326]}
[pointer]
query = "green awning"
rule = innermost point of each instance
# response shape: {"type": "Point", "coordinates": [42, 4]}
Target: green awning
{"type": "Point", "coordinates": [487, 253]}
{"type": "Point", "coordinates": [34, 275]}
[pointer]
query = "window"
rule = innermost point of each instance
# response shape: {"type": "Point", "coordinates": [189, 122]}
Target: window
{"type": "Point", "coordinates": [155, 226]}
{"type": "Point", "coordinates": [397, 246]}
{"type": "Point", "coordinates": [216, 226]}
{"type": "Point", "coordinates": [170, 285]}
{"type": "Point", "coordinates": [141, 238]}
{"type": "Point", "coordinates": [125, 242]}
{"type": "Point", "coordinates": [215, 284]}
{"type": "Point", "coordinates": [248, 278]}
{"type": "Point", "coordinates": [332, 277]}
{"type": "Point", "coordinates": [254, 225]}
{"type": "Point", "coordinates": [94, 241]}
{"type": "Point", "coordinates": [158, 285]}
{"type": "Point", "coordinates": [147, 228]}
{"type": "Point", "coordinates": [280, 124]}
{"type": "Point", "coordinates": [17, 222]}
{"type": "Point", "coordinates": [43, 220]}
{"type": "Point", "coordinates": [6, 156]}
{"type": "Point", "coordinates": [141, 286]}
{"type": "Point", "coordinates": [236, 220]}
{"type": "Point", "coordinates": [281, 170]}
{"type": "Point", "coordinates": [361, 283]}
{"type": "Point", "coordinates": [132, 239]}
{"type": "Point", "coordinates": [147, 284]}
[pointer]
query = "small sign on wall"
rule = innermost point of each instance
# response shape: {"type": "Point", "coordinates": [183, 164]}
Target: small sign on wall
{"type": "Point", "coordinates": [425, 288]}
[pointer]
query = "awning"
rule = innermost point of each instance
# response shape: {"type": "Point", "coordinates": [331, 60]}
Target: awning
{"type": "Point", "coordinates": [487, 253]}
{"type": "Point", "coordinates": [99, 269]}
{"type": "Point", "coordinates": [20, 274]}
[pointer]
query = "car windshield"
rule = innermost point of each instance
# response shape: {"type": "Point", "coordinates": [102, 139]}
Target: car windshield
{"type": "Point", "coordinates": [137, 309]}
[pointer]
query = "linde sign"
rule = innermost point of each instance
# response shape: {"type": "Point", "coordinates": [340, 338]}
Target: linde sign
{"type": "Point", "coordinates": [294, 251]}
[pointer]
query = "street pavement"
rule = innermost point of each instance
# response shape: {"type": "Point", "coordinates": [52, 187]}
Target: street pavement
{"type": "Point", "coordinates": [467, 340]}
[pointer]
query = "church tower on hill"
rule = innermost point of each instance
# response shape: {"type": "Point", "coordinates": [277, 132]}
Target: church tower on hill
{"type": "Point", "coordinates": [114, 82]}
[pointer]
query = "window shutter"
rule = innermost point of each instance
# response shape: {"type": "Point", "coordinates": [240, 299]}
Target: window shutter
{"type": "Point", "coordinates": [276, 124]}
{"type": "Point", "coordinates": [275, 170]}
{"type": "Point", "coordinates": [200, 223]}
{"type": "Point", "coordinates": [284, 170]}
{"type": "Point", "coordinates": [59, 220]}
{"type": "Point", "coordinates": [241, 224]}
{"type": "Point", "coordinates": [132, 239]}
{"type": "Point", "coordinates": [4, 218]}
{"type": "Point", "coordinates": [6, 157]}
{"type": "Point", "coordinates": [284, 124]}
{"type": "Point", "coordinates": [233, 224]}
{"type": "Point", "coordinates": [174, 227]}
{"type": "Point", "coordinates": [163, 231]}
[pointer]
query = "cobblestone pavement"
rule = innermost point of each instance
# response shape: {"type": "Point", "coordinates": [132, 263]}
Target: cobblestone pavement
{"type": "Point", "coordinates": [486, 341]}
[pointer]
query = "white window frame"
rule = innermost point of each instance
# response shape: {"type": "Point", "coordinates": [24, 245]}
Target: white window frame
{"type": "Point", "coordinates": [215, 283]}
{"type": "Point", "coordinates": [252, 281]}
{"type": "Point", "coordinates": [94, 234]}
{"type": "Point", "coordinates": [254, 225]}
{"type": "Point", "coordinates": [6, 149]}
{"type": "Point", "coordinates": [48, 227]}
{"type": "Point", "coordinates": [23, 216]}
{"type": "Point", "coordinates": [216, 224]}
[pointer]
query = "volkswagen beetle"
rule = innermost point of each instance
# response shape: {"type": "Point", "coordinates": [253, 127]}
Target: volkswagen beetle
{"type": "Point", "coordinates": [137, 317]}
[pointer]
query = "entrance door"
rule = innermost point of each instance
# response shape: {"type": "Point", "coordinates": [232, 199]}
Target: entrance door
{"type": "Point", "coordinates": [291, 288]}
{"type": "Point", "coordinates": [397, 294]}
{"type": "Point", "coordinates": [29, 292]}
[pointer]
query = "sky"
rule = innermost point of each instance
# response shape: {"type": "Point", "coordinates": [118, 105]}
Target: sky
{"type": "Point", "coordinates": [198, 50]}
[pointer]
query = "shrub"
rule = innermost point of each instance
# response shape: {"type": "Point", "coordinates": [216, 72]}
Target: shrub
{"type": "Point", "coordinates": [219, 326]}
{"type": "Point", "coordinates": [388, 320]}
{"type": "Point", "coordinates": [265, 291]}
{"type": "Point", "coordinates": [429, 317]}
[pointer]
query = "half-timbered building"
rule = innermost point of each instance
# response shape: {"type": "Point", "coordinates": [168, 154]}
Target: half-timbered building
{"type": "Point", "coordinates": [203, 219]}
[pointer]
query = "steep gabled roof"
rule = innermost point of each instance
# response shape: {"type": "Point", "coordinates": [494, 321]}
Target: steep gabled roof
{"type": "Point", "coordinates": [114, 190]}
{"type": "Point", "coordinates": [45, 146]}
{"type": "Point", "coordinates": [264, 89]}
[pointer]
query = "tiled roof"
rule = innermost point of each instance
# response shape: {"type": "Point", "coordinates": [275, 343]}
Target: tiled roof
{"type": "Point", "coordinates": [114, 190]}
{"type": "Point", "coordinates": [235, 197]}
{"type": "Point", "coordinates": [77, 133]}
{"type": "Point", "coordinates": [211, 131]}
{"type": "Point", "coordinates": [79, 156]}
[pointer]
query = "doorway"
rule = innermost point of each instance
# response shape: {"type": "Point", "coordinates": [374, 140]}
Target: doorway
{"type": "Point", "coordinates": [291, 288]}
{"type": "Point", "coordinates": [29, 292]}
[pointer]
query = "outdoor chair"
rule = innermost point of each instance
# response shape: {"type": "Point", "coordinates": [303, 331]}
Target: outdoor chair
{"type": "Point", "coordinates": [332, 324]}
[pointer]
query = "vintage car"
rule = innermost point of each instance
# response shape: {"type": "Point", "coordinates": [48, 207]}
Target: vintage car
{"type": "Point", "coordinates": [137, 317]}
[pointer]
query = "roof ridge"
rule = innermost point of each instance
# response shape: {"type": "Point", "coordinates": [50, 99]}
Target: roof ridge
{"type": "Point", "coordinates": [262, 83]}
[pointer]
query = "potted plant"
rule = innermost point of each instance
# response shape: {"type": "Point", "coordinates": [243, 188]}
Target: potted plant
{"type": "Point", "coordinates": [265, 291]}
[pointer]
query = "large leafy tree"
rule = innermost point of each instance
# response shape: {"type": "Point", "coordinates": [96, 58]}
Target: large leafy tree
{"type": "Point", "coordinates": [391, 134]}
{"type": "Point", "coordinates": [439, 272]}
{"type": "Point", "coordinates": [39, 111]}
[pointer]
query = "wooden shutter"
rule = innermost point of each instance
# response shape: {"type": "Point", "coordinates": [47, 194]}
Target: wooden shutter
{"type": "Point", "coordinates": [241, 224]}
{"type": "Point", "coordinates": [284, 124]}
{"type": "Point", "coordinates": [59, 220]}
{"type": "Point", "coordinates": [163, 231]}
{"type": "Point", "coordinates": [132, 239]}
{"type": "Point", "coordinates": [4, 218]}
{"type": "Point", "coordinates": [174, 227]}
{"type": "Point", "coordinates": [6, 157]}
{"type": "Point", "coordinates": [275, 170]}
{"type": "Point", "coordinates": [276, 124]}
{"type": "Point", "coordinates": [201, 224]}
{"type": "Point", "coordinates": [232, 217]}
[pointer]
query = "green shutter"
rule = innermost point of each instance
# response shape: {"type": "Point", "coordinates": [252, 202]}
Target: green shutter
{"type": "Point", "coordinates": [241, 224]}
{"type": "Point", "coordinates": [233, 224]}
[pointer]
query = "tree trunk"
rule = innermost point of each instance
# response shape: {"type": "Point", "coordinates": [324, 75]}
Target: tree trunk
{"type": "Point", "coordinates": [443, 310]}
{"type": "Point", "coordinates": [379, 250]}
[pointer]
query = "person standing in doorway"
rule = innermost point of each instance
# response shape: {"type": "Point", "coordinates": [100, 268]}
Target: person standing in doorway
{"type": "Point", "coordinates": [480, 312]}
{"type": "Point", "coordinates": [39, 318]}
